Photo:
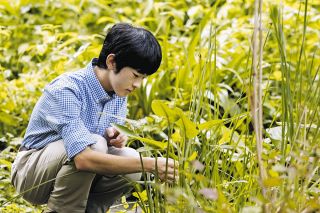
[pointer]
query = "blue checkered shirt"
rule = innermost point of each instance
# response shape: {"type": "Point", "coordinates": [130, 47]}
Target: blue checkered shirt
{"type": "Point", "coordinates": [72, 108]}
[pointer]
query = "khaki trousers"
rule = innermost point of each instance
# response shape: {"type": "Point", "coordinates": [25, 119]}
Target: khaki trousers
{"type": "Point", "coordinates": [46, 176]}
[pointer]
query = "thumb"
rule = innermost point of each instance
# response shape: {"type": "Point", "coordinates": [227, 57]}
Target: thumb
{"type": "Point", "coordinates": [110, 132]}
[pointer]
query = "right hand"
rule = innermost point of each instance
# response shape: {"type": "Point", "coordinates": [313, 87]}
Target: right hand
{"type": "Point", "coordinates": [115, 138]}
{"type": "Point", "coordinates": [162, 168]}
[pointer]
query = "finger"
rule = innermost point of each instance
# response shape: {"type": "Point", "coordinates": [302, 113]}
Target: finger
{"type": "Point", "coordinates": [121, 145]}
{"type": "Point", "coordinates": [173, 164]}
{"type": "Point", "coordinates": [123, 139]}
{"type": "Point", "coordinates": [119, 138]}
{"type": "Point", "coordinates": [173, 172]}
{"type": "Point", "coordinates": [113, 142]}
{"type": "Point", "coordinates": [116, 143]}
{"type": "Point", "coordinates": [170, 178]}
{"type": "Point", "coordinates": [174, 177]}
{"type": "Point", "coordinates": [110, 131]}
{"type": "Point", "coordinates": [122, 136]}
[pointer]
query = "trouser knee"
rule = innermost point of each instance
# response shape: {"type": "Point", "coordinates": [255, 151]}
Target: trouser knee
{"type": "Point", "coordinates": [129, 152]}
{"type": "Point", "coordinates": [101, 146]}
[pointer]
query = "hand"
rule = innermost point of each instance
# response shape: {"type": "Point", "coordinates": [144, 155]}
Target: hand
{"type": "Point", "coordinates": [115, 138]}
{"type": "Point", "coordinates": [171, 168]}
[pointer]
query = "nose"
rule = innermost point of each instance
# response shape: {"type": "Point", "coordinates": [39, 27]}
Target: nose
{"type": "Point", "coordinates": [137, 83]}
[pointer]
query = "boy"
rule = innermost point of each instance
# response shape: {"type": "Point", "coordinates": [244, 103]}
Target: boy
{"type": "Point", "coordinates": [70, 147]}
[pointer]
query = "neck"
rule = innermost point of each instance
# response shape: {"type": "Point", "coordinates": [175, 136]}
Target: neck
{"type": "Point", "coordinates": [103, 77]}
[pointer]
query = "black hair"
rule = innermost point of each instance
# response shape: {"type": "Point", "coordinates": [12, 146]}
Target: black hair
{"type": "Point", "coordinates": [133, 47]}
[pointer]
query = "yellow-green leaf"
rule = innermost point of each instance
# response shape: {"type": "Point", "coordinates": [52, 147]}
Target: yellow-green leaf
{"type": "Point", "coordinates": [176, 137]}
{"type": "Point", "coordinates": [161, 109]}
{"type": "Point", "coordinates": [105, 19]}
{"type": "Point", "coordinates": [148, 141]}
{"type": "Point", "coordinates": [123, 130]}
{"type": "Point", "coordinates": [142, 196]}
{"type": "Point", "coordinates": [189, 127]}
{"type": "Point", "coordinates": [276, 75]}
{"type": "Point", "coordinates": [193, 156]}
{"type": "Point", "coordinates": [124, 202]}
{"type": "Point", "coordinates": [209, 124]}
{"type": "Point", "coordinates": [271, 182]}
{"type": "Point", "coordinates": [5, 163]}
{"type": "Point", "coordinates": [151, 142]}
{"type": "Point", "coordinates": [8, 119]}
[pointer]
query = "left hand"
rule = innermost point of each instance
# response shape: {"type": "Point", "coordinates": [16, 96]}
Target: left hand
{"type": "Point", "coordinates": [115, 138]}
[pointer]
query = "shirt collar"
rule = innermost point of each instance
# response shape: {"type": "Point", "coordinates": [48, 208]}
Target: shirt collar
{"type": "Point", "coordinates": [100, 95]}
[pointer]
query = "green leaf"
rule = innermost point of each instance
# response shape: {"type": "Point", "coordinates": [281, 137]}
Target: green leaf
{"type": "Point", "coordinates": [124, 130]}
{"type": "Point", "coordinates": [189, 127]}
{"type": "Point", "coordinates": [148, 141]}
{"type": "Point", "coordinates": [271, 182]}
{"type": "Point", "coordinates": [105, 19]}
{"type": "Point", "coordinates": [152, 142]}
{"type": "Point", "coordinates": [5, 163]}
{"type": "Point", "coordinates": [209, 124]}
{"type": "Point", "coordinates": [8, 119]}
{"type": "Point", "coordinates": [161, 109]}
{"type": "Point", "coordinates": [141, 195]}
{"type": "Point", "coordinates": [146, 149]}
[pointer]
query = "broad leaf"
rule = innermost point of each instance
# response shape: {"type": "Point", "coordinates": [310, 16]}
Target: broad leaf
{"type": "Point", "coordinates": [151, 142]}
{"type": "Point", "coordinates": [209, 124]}
{"type": "Point", "coordinates": [189, 127]}
{"type": "Point", "coordinates": [124, 130]}
{"type": "Point", "coordinates": [161, 109]}
{"type": "Point", "coordinates": [148, 141]}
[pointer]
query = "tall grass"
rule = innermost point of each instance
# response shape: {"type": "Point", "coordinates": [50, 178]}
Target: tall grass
{"type": "Point", "coordinates": [219, 167]}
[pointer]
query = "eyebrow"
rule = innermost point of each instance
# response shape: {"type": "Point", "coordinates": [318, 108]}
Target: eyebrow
{"type": "Point", "coordinates": [139, 74]}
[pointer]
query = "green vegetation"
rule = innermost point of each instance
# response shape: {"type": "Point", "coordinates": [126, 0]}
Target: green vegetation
{"type": "Point", "coordinates": [235, 101]}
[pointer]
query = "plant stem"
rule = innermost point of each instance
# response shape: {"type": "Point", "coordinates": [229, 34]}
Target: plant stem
{"type": "Point", "coordinates": [257, 90]}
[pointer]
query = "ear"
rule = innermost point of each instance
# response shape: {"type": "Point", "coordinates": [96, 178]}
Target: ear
{"type": "Point", "coordinates": [110, 61]}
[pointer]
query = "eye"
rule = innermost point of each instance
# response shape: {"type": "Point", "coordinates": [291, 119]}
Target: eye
{"type": "Point", "coordinates": [135, 75]}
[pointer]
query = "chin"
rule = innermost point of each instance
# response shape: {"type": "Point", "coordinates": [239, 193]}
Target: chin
{"type": "Point", "coordinates": [122, 94]}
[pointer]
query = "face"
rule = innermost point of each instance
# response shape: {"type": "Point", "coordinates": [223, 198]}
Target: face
{"type": "Point", "coordinates": [125, 81]}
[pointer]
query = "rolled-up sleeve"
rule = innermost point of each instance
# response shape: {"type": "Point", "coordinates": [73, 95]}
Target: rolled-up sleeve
{"type": "Point", "coordinates": [63, 115]}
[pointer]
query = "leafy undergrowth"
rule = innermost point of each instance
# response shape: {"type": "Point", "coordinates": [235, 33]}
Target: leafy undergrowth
{"type": "Point", "coordinates": [10, 200]}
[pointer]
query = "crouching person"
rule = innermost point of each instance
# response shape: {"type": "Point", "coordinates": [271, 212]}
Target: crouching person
{"type": "Point", "coordinates": [71, 158]}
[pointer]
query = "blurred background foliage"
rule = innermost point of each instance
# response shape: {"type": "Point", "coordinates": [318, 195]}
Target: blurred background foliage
{"type": "Point", "coordinates": [203, 86]}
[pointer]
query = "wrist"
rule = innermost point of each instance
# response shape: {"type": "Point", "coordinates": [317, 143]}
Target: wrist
{"type": "Point", "coordinates": [148, 164]}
